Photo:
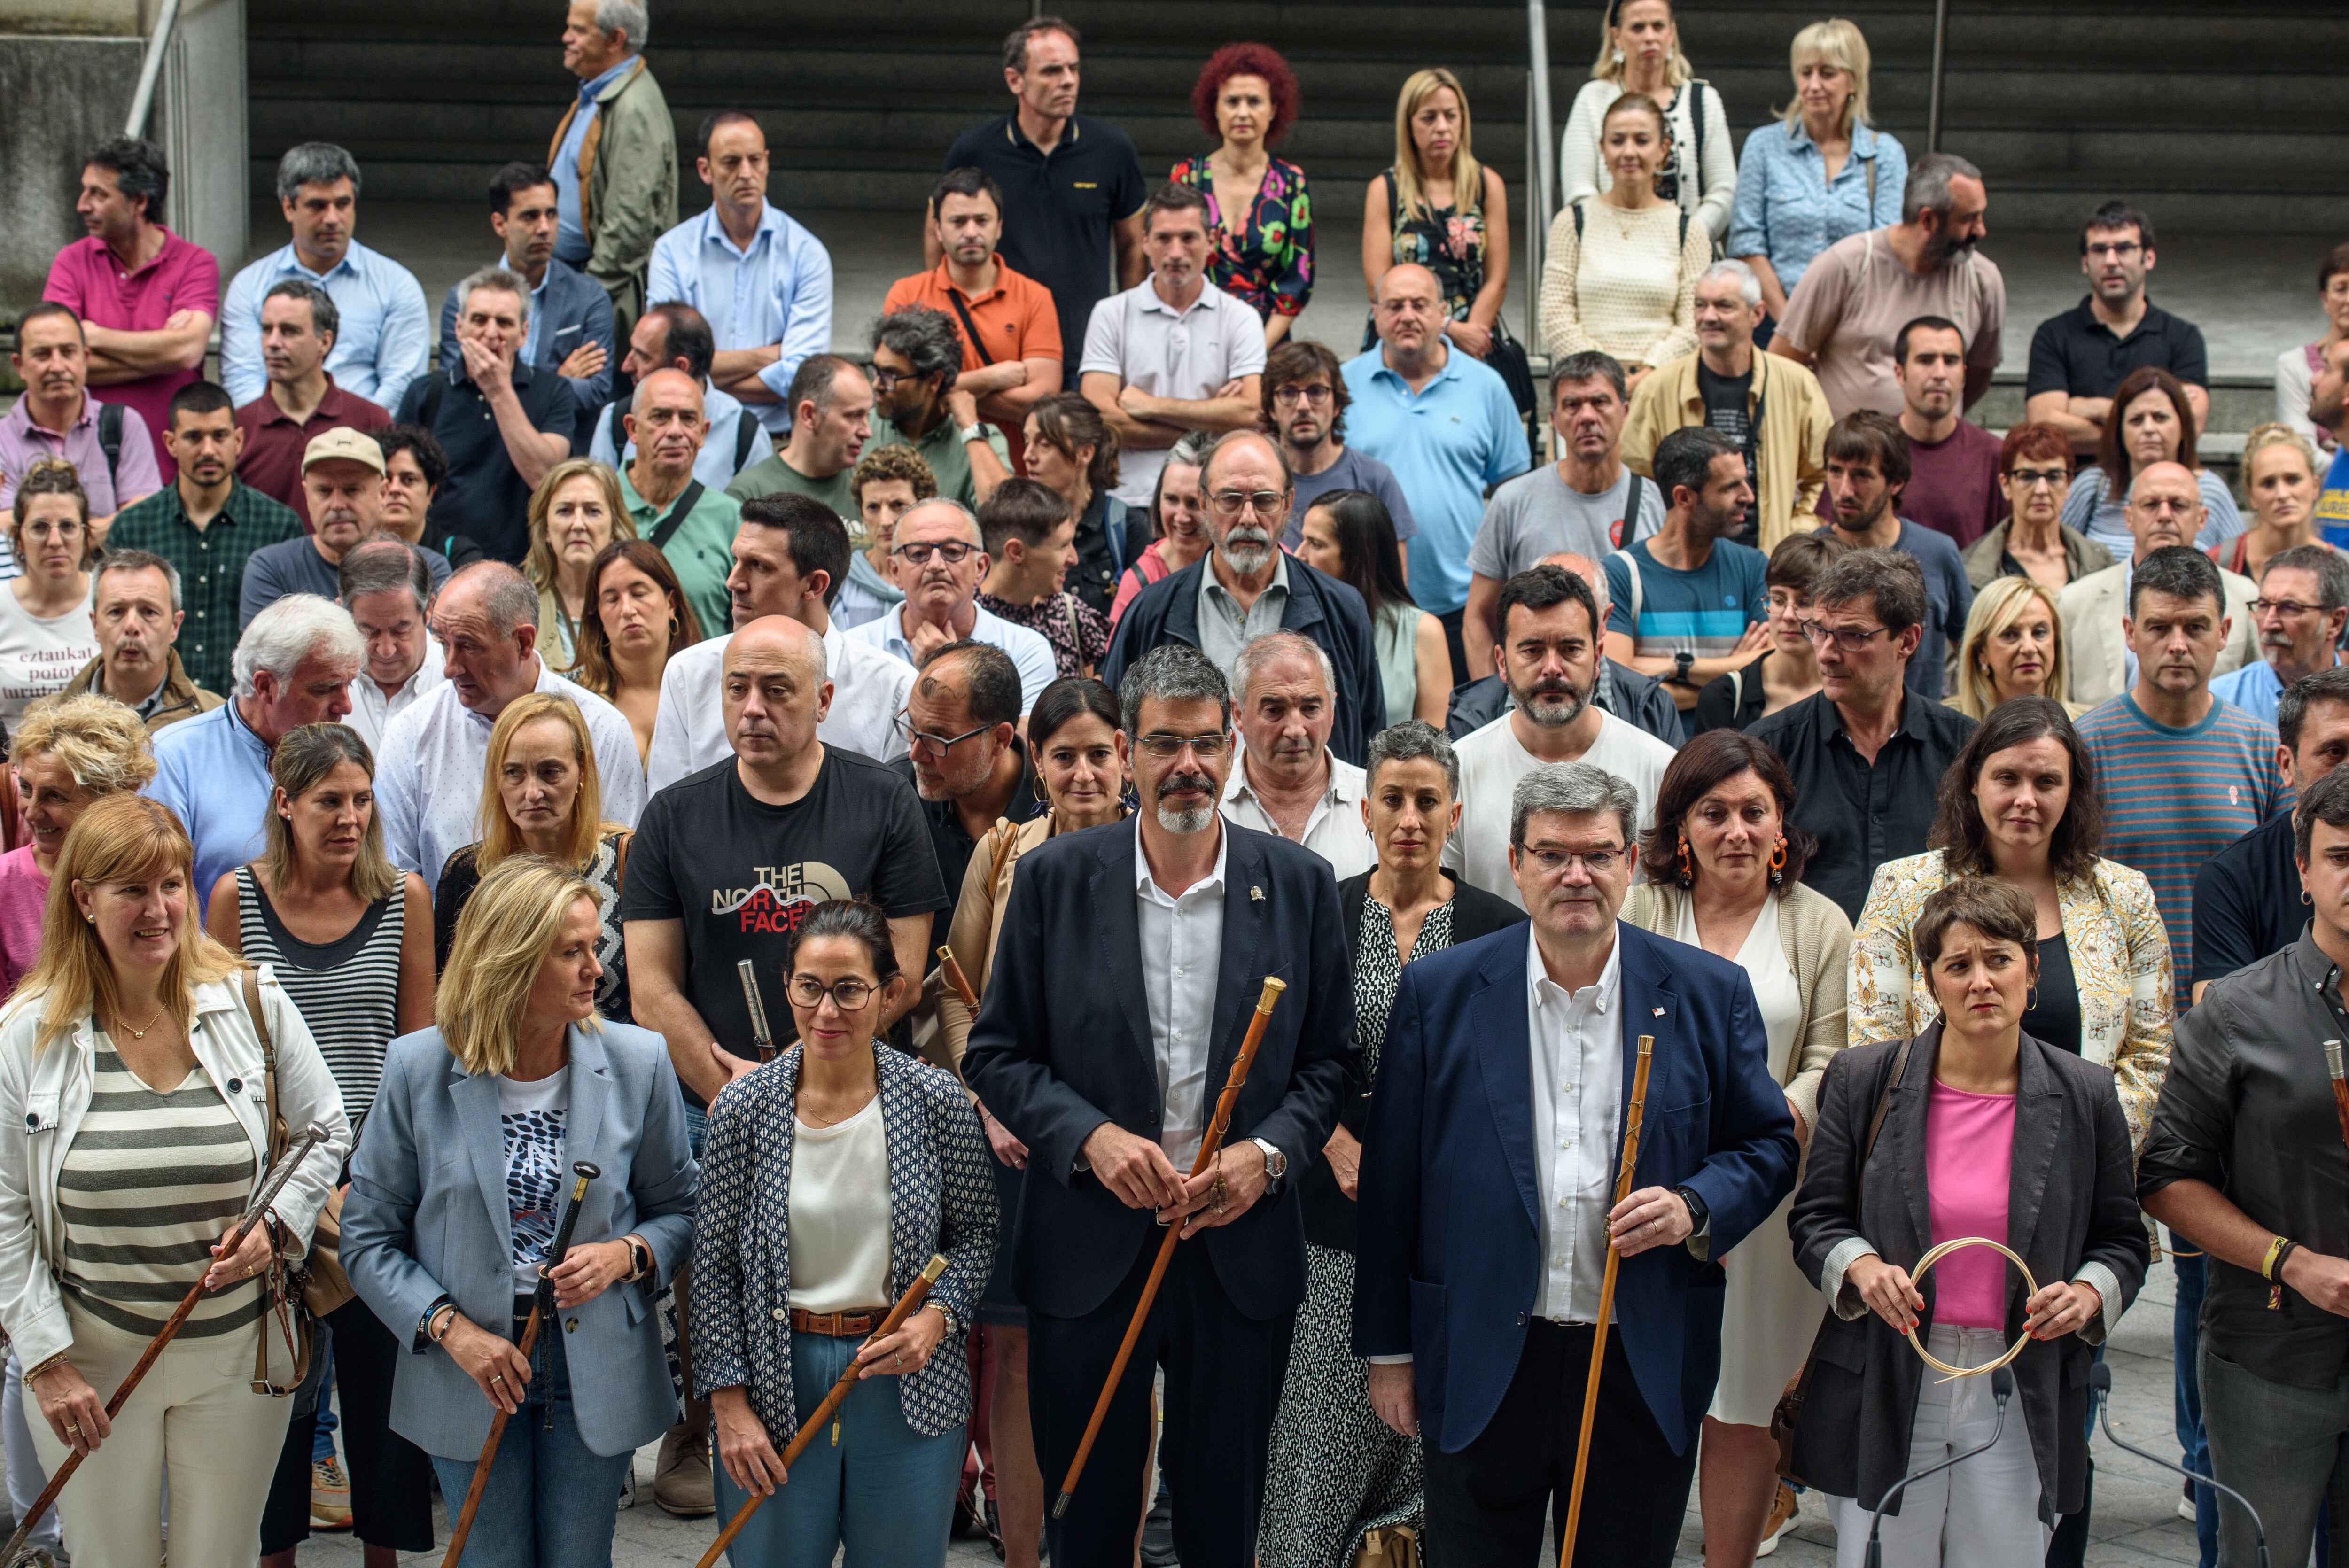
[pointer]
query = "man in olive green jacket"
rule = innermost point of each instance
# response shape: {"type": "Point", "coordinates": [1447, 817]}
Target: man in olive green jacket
{"type": "Point", "coordinates": [615, 163]}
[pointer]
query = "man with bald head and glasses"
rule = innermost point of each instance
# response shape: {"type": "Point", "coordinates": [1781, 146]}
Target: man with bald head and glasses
{"type": "Point", "coordinates": [1866, 750]}
{"type": "Point", "coordinates": [1247, 586]}
{"type": "Point", "coordinates": [939, 558]}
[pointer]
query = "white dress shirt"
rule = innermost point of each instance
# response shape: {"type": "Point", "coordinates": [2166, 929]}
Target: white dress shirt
{"type": "Point", "coordinates": [1029, 650]}
{"type": "Point", "coordinates": [371, 710]}
{"type": "Point", "coordinates": [427, 776]}
{"type": "Point", "coordinates": [1182, 955]}
{"type": "Point", "coordinates": [1578, 1097]}
{"type": "Point", "coordinates": [869, 689]}
{"type": "Point", "coordinates": [1334, 830]}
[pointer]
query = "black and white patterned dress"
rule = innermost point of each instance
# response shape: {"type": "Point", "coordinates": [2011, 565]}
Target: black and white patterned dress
{"type": "Point", "coordinates": [1337, 1470]}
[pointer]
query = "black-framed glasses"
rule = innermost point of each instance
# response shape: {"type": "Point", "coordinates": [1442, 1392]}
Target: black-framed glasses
{"type": "Point", "coordinates": [2120, 249]}
{"type": "Point", "coordinates": [1264, 503]}
{"type": "Point", "coordinates": [2031, 479]}
{"type": "Point", "coordinates": [1166, 747]}
{"type": "Point", "coordinates": [904, 725]}
{"type": "Point", "coordinates": [1850, 639]}
{"type": "Point", "coordinates": [849, 995]}
{"type": "Point", "coordinates": [953, 552]}
{"type": "Point", "coordinates": [885, 378]}
{"type": "Point", "coordinates": [1289, 397]}
{"type": "Point", "coordinates": [2283, 608]}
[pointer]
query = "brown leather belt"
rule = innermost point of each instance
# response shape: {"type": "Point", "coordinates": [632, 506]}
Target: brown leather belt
{"type": "Point", "coordinates": [863, 1321]}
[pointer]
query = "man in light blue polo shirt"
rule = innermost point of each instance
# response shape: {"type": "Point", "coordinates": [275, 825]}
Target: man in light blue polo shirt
{"type": "Point", "coordinates": [295, 665]}
{"type": "Point", "coordinates": [2303, 604]}
{"type": "Point", "coordinates": [386, 333]}
{"type": "Point", "coordinates": [762, 281]}
{"type": "Point", "coordinates": [1444, 422]}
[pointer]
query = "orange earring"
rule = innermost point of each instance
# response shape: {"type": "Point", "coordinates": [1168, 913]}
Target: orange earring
{"type": "Point", "coordinates": [1687, 872]}
{"type": "Point", "coordinates": [1778, 864]}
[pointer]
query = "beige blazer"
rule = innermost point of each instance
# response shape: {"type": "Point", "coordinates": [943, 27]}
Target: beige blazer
{"type": "Point", "coordinates": [2097, 654]}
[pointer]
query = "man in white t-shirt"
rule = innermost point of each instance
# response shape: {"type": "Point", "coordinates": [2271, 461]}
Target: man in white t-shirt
{"type": "Point", "coordinates": [1550, 658]}
{"type": "Point", "coordinates": [790, 556]}
{"type": "Point", "coordinates": [1174, 353]}
{"type": "Point", "coordinates": [1588, 503]}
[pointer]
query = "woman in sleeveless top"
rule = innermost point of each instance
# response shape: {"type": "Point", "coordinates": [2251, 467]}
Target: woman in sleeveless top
{"type": "Point", "coordinates": [1438, 208]}
{"type": "Point", "coordinates": [1347, 535]}
{"type": "Point", "coordinates": [1640, 52]}
{"type": "Point", "coordinates": [1259, 218]}
{"type": "Point", "coordinates": [541, 795]}
{"type": "Point", "coordinates": [346, 935]}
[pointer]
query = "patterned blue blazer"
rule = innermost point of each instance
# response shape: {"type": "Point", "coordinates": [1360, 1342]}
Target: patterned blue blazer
{"type": "Point", "coordinates": [941, 1200]}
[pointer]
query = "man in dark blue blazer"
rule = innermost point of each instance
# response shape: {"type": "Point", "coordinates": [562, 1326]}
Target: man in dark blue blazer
{"type": "Point", "coordinates": [1486, 1197]}
{"type": "Point", "coordinates": [570, 330]}
{"type": "Point", "coordinates": [1212, 603]}
{"type": "Point", "coordinates": [1131, 958]}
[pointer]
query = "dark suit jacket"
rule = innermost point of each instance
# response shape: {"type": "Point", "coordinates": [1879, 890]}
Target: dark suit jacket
{"type": "Point", "coordinates": [1062, 1045]}
{"type": "Point", "coordinates": [2072, 1200]}
{"type": "Point", "coordinates": [577, 310]}
{"type": "Point", "coordinates": [1450, 1253]}
{"type": "Point", "coordinates": [1330, 1214]}
{"type": "Point", "coordinates": [1318, 607]}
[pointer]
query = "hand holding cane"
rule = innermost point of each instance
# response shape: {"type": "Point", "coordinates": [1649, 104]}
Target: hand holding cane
{"type": "Point", "coordinates": [762, 1036]}
{"type": "Point", "coordinates": [1605, 1301]}
{"type": "Point", "coordinates": [541, 1308]}
{"type": "Point", "coordinates": [1209, 1147]}
{"type": "Point", "coordinates": [907, 1305]}
{"type": "Point", "coordinates": [263, 1197]}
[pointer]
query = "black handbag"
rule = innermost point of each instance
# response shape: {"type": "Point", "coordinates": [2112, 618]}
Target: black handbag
{"type": "Point", "coordinates": [1507, 356]}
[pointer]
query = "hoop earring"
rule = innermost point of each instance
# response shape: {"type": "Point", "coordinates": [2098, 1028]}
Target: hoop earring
{"type": "Point", "coordinates": [1686, 871]}
{"type": "Point", "coordinates": [2031, 1000]}
{"type": "Point", "coordinates": [1778, 864]}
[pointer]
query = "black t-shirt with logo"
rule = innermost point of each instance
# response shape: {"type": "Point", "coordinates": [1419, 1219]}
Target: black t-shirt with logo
{"type": "Point", "coordinates": [741, 874]}
{"type": "Point", "coordinates": [1725, 410]}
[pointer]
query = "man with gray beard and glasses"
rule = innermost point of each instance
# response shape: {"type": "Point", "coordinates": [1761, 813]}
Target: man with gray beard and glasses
{"type": "Point", "coordinates": [1188, 915]}
{"type": "Point", "coordinates": [1548, 658]}
{"type": "Point", "coordinates": [1246, 585]}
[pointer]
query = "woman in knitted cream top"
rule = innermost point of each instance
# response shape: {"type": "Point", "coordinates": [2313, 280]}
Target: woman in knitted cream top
{"type": "Point", "coordinates": [1622, 267]}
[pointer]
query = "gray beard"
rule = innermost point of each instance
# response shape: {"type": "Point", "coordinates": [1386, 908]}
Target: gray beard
{"type": "Point", "coordinates": [1550, 715]}
{"type": "Point", "coordinates": [1196, 820]}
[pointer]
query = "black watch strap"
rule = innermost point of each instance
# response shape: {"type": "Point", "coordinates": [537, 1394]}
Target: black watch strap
{"type": "Point", "coordinates": [1699, 1216]}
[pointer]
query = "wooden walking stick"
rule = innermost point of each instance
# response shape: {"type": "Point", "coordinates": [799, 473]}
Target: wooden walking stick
{"type": "Point", "coordinates": [2339, 1086]}
{"type": "Point", "coordinates": [957, 979]}
{"type": "Point", "coordinates": [907, 1305]}
{"type": "Point", "coordinates": [541, 1308]}
{"type": "Point", "coordinates": [762, 1036]}
{"type": "Point", "coordinates": [1605, 1301]}
{"type": "Point", "coordinates": [272, 1182]}
{"type": "Point", "coordinates": [1209, 1146]}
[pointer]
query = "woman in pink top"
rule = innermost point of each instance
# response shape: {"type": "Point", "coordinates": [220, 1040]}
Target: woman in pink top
{"type": "Point", "coordinates": [1181, 513]}
{"type": "Point", "coordinates": [1971, 1128]}
{"type": "Point", "coordinates": [68, 751]}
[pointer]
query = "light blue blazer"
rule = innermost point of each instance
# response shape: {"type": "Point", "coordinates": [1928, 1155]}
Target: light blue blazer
{"type": "Point", "coordinates": [427, 1214]}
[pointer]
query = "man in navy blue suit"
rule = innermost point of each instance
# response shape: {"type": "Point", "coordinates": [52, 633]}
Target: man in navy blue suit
{"type": "Point", "coordinates": [1131, 957]}
{"type": "Point", "coordinates": [1486, 1186]}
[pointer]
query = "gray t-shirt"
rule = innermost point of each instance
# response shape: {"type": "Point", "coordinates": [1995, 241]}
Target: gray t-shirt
{"type": "Point", "coordinates": [1352, 470]}
{"type": "Point", "coordinates": [1536, 514]}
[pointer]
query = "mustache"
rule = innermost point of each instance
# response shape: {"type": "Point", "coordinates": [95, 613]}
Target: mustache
{"type": "Point", "coordinates": [1174, 782]}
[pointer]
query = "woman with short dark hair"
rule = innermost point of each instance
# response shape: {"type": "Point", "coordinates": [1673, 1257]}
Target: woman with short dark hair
{"type": "Point", "coordinates": [1989, 1133]}
{"type": "Point", "coordinates": [1725, 872]}
{"type": "Point", "coordinates": [1349, 535]}
{"type": "Point", "coordinates": [1259, 221]}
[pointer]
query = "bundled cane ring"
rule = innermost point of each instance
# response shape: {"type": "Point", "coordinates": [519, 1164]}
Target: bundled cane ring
{"type": "Point", "coordinates": [2030, 1289]}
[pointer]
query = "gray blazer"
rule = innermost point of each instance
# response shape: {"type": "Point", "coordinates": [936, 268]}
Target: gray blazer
{"type": "Point", "coordinates": [427, 1214]}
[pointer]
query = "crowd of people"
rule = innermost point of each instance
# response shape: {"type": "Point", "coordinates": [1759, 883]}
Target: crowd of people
{"type": "Point", "coordinates": [572, 758]}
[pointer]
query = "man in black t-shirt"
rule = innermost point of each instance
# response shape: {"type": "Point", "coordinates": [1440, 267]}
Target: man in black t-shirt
{"type": "Point", "coordinates": [731, 859]}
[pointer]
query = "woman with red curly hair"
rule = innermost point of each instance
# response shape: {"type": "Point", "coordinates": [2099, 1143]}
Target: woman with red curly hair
{"type": "Point", "coordinates": [1259, 218]}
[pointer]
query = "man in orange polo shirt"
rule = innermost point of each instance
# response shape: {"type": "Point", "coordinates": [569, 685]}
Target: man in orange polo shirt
{"type": "Point", "coordinates": [1010, 332]}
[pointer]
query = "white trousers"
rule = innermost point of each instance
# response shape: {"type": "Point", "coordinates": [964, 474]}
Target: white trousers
{"type": "Point", "coordinates": [194, 1417]}
{"type": "Point", "coordinates": [1983, 1514]}
{"type": "Point", "coordinates": [26, 1476]}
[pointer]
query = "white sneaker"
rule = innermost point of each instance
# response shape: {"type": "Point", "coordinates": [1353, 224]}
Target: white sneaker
{"type": "Point", "coordinates": [1786, 1512]}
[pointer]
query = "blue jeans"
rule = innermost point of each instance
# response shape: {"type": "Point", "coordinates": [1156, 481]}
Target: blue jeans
{"type": "Point", "coordinates": [551, 1502]}
{"type": "Point", "coordinates": [322, 1439]}
{"type": "Point", "coordinates": [885, 1492]}
{"type": "Point", "coordinates": [2186, 1348]}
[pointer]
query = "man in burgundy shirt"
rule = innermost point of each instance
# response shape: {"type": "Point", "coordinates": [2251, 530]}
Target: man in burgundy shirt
{"type": "Point", "coordinates": [1953, 478]}
{"type": "Point", "coordinates": [146, 298]}
{"type": "Point", "coordinates": [300, 401]}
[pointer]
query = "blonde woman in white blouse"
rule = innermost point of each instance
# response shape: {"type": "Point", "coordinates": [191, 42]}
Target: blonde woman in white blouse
{"type": "Point", "coordinates": [1622, 268]}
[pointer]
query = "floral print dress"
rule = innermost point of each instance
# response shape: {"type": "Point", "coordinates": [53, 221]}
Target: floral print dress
{"type": "Point", "coordinates": [1266, 261]}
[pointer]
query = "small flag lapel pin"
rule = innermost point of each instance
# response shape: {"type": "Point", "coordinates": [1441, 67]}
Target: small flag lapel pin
{"type": "Point", "coordinates": [1659, 1012]}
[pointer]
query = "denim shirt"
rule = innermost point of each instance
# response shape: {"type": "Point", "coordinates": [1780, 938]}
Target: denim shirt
{"type": "Point", "coordinates": [1787, 210]}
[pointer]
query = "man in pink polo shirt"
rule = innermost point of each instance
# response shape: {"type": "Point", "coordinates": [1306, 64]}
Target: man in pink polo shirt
{"type": "Point", "coordinates": [146, 298]}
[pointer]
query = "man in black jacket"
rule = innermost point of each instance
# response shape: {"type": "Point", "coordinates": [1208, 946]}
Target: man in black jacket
{"type": "Point", "coordinates": [1248, 585]}
{"type": "Point", "coordinates": [1130, 957]}
{"type": "Point", "coordinates": [1633, 698]}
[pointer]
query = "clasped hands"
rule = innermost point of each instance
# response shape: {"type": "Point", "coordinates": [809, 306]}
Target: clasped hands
{"type": "Point", "coordinates": [1138, 1171]}
{"type": "Point", "coordinates": [2065, 1307]}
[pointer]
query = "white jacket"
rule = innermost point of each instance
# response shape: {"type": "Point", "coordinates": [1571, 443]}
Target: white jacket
{"type": "Point", "coordinates": [46, 1095]}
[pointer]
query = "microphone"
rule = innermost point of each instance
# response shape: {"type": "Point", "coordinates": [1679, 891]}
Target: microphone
{"type": "Point", "coordinates": [2100, 1390]}
{"type": "Point", "coordinates": [2001, 1389]}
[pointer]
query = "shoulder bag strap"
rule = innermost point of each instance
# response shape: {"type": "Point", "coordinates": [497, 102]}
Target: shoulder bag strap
{"type": "Point", "coordinates": [429, 411]}
{"type": "Point", "coordinates": [250, 985]}
{"type": "Point", "coordinates": [109, 437]}
{"type": "Point", "coordinates": [666, 530]}
{"type": "Point", "coordinates": [1394, 204]}
{"type": "Point", "coordinates": [620, 430]}
{"type": "Point", "coordinates": [969, 327]}
{"type": "Point", "coordinates": [1696, 89]}
{"type": "Point", "coordinates": [1632, 508]}
{"type": "Point", "coordinates": [1884, 1099]}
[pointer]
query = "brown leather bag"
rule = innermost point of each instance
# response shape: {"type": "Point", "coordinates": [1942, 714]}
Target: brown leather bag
{"type": "Point", "coordinates": [296, 1297]}
{"type": "Point", "coordinates": [1789, 1413]}
{"type": "Point", "coordinates": [1388, 1546]}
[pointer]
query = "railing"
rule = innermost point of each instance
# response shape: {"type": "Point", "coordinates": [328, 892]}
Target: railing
{"type": "Point", "coordinates": [1541, 166]}
{"type": "Point", "coordinates": [151, 68]}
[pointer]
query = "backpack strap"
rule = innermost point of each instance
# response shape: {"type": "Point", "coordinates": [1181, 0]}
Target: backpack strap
{"type": "Point", "coordinates": [746, 433]}
{"type": "Point", "coordinates": [1632, 517]}
{"type": "Point", "coordinates": [1696, 89]}
{"type": "Point", "coordinates": [429, 411]}
{"type": "Point", "coordinates": [109, 437]}
{"type": "Point", "coordinates": [620, 430]}
{"type": "Point", "coordinates": [1639, 589]}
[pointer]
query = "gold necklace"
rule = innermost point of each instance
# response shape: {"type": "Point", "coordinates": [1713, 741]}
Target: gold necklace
{"type": "Point", "coordinates": [140, 1034]}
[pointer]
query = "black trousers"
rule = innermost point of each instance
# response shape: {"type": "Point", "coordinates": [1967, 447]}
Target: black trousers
{"type": "Point", "coordinates": [1486, 1504]}
{"type": "Point", "coordinates": [1454, 646]}
{"type": "Point", "coordinates": [1224, 1373]}
{"type": "Point", "coordinates": [391, 1478]}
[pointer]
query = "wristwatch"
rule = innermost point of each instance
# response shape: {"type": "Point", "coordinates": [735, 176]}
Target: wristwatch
{"type": "Point", "coordinates": [1700, 1217]}
{"type": "Point", "coordinates": [970, 433]}
{"type": "Point", "coordinates": [1681, 663]}
{"type": "Point", "coordinates": [1275, 1165]}
{"type": "Point", "coordinates": [640, 1258]}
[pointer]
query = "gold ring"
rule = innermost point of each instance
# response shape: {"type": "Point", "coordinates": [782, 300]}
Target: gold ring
{"type": "Point", "coordinates": [2030, 1289]}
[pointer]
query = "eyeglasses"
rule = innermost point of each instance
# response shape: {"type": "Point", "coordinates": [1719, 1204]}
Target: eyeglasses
{"type": "Point", "coordinates": [2120, 249]}
{"type": "Point", "coordinates": [849, 995]}
{"type": "Point", "coordinates": [1558, 863]}
{"type": "Point", "coordinates": [951, 551]}
{"type": "Point", "coordinates": [2031, 479]}
{"type": "Point", "coordinates": [2283, 608]}
{"type": "Point", "coordinates": [1850, 639]}
{"type": "Point", "coordinates": [1264, 503]}
{"type": "Point", "coordinates": [904, 725]}
{"type": "Point", "coordinates": [885, 378]}
{"type": "Point", "coordinates": [1289, 397]}
{"type": "Point", "coordinates": [1167, 747]}
{"type": "Point", "coordinates": [47, 528]}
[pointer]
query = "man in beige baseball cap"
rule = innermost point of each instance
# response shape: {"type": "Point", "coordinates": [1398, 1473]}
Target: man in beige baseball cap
{"type": "Point", "coordinates": [342, 477]}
